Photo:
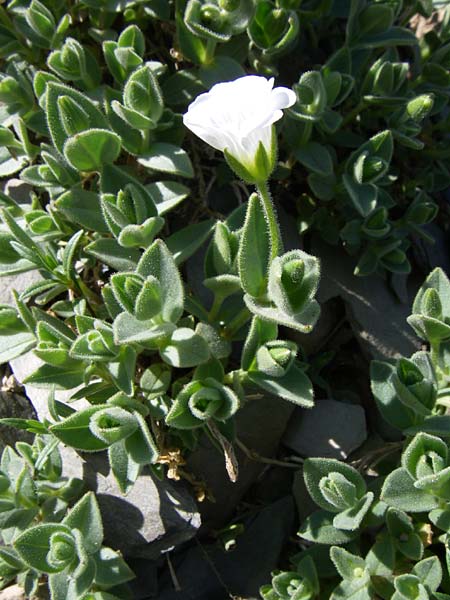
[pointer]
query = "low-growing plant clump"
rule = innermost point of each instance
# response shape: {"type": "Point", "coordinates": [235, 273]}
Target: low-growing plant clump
{"type": "Point", "coordinates": [99, 104]}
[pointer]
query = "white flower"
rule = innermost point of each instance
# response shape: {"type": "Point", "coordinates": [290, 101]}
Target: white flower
{"type": "Point", "coordinates": [236, 117]}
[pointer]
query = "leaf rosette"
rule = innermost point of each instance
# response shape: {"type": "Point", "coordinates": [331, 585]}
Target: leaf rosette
{"type": "Point", "coordinates": [200, 401]}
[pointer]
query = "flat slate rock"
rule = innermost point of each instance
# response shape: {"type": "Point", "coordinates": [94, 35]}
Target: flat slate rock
{"type": "Point", "coordinates": [16, 405]}
{"type": "Point", "coordinates": [24, 365]}
{"type": "Point", "coordinates": [331, 429]}
{"type": "Point", "coordinates": [207, 572]}
{"type": "Point", "coordinates": [19, 282]}
{"type": "Point", "coordinates": [154, 517]}
{"type": "Point", "coordinates": [260, 425]}
{"type": "Point", "coordinates": [377, 316]}
{"type": "Point", "coordinates": [13, 592]}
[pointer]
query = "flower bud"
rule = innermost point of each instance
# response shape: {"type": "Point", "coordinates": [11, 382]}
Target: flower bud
{"type": "Point", "coordinates": [426, 460]}
{"type": "Point", "coordinates": [420, 107]}
{"type": "Point", "coordinates": [293, 281]}
{"type": "Point", "coordinates": [142, 94]}
{"type": "Point", "coordinates": [275, 357]}
{"type": "Point", "coordinates": [273, 29]}
{"type": "Point", "coordinates": [62, 551]}
{"type": "Point", "coordinates": [338, 491]}
{"type": "Point", "coordinates": [112, 424]}
{"type": "Point", "coordinates": [205, 402]}
{"type": "Point", "coordinates": [311, 97]}
{"type": "Point", "coordinates": [71, 57]}
{"type": "Point", "coordinates": [126, 288]}
{"type": "Point", "coordinates": [413, 389]}
{"type": "Point", "coordinates": [97, 344]}
{"type": "Point", "coordinates": [229, 5]}
{"type": "Point", "coordinates": [200, 401]}
{"type": "Point", "coordinates": [212, 16]}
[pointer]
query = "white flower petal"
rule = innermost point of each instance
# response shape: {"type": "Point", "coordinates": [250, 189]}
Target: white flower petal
{"type": "Point", "coordinates": [283, 97]}
{"type": "Point", "coordinates": [238, 115]}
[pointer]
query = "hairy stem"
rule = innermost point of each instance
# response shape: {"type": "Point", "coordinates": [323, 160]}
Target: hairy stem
{"type": "Point", "coordinates": [271, 216]}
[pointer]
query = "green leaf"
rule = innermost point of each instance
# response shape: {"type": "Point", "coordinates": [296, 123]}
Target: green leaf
{"type": "Point", "coordinates": [429, 571]}
{"type": "Point", "coordinates": [315, 469]}
{"type": "Point", "coordinates": [319, 528]}
{"type": "Point", "coordinates": [352, 517]}
{"type": "Point", "coordinates": [109, 251]}
{"type": "Point", "coordinates": [254, 249]}
{"type": "Point", "coordinates": [363, 196]}
{"type": "Point", "coordinates": [127, 329]}
{"type": "Point", "coordinates": [65, 378]}
{"type": "Point", "coordinates": [30, 425]}
{"type": "Point", "coordinates": [74, 431]}
{"type": "Point", "coordinates": [294, 386]}
{"type": "Point", "coordinates": [14, 343]}
{"type": "Point", "coordinates": [185, 242]}
{"type": "Point", "coordinates": [347, 563]}
{"type": "Point", "coordinates": [85, 516]}
{"type": "Point", "coordinates": [140, 445]}
{"type": "Point", "coordinates": [259, 333]}
{"type": "Point", "coordinates": [167, 195]}
{"type": "Point", "coordinates": [92, 149]}
{"type": "Point", "coordinates": [185, 349]}
{"type": "Point", "coordinates": [167, 158]}
{"type": "Point", "coordinates": [158, 261]}
{"type": "Point", "coordinates": [435, 425]}
{"type": "Point", "coordinates": [315, 157]}
{"type": "Point", "coordinates": [56, 90]}
{"type": "Point", "coordinates": [394, 36]}
{"type": "Point", "coordinates": [386, 397]}
{"type": "Point", "coordinates": [124, 468]}
{"type": "Point", "coordinates": [399, 491]}
{"type": "Point", "coordinates": [111, 569]}
{"type": "Point", "coordinates": [33, 546]}
{"type": "Point", "coordinates": [82, 208]}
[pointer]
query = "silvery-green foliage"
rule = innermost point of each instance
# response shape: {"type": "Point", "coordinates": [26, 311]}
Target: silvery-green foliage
{"type": "Point", "coordinates": [385, 531]}
{"type": "Point", "coordinates": [41, 534]}
{"type": "Point", "coordinates": [120, 199]}
{"type": "Point", "coordinates": [112, 318]}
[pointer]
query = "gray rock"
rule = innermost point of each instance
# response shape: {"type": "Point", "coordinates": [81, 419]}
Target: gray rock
{"type": "Point", "coordinates": [207, 572]}
{"type": "Point", "coordinates": [432, 255]}
{"type": "Point", "coordinates": [331, 429]}
{"type": "Point", "coordinates": [305, 504]}
{"type": "Point", "coordinates": [14, 404]}
{"type": "Point", "coordinates": [332, 313]}
{"type": "Point", "coordinates": [18, 282]}
{"type": "Point", "coordinates": [154, 517]}
{"type": "Point", "coordinates": [13, 592]}
{"type": "Point", "coordinates": [18, 190]}
{"type": "Point", "coordinates": [145, 583]}
{"type": "Point", "coordinates": [377, 316]}
{"type": "Point", "coordinates": [24, 365]}
{"type": "Point", "coordinates": [260, 424]}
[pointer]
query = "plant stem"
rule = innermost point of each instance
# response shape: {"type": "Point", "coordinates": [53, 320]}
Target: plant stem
{"type": "Point", "coordinates": [210, 48]}
{"type": "Point", "coordinates": [306, 133]}
{"type": "Point", "coordinates": [434, 352]}
{"type": "Point", "coordinates": [271, 217]}
{"type": "Point", "coordinates": [353, 113]}
{"type": "Point", "coordinates": [217, 303]}
{"type": "Point", "coordinates": [239, 321]}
